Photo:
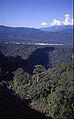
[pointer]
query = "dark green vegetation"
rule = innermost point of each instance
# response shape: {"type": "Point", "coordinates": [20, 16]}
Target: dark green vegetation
{"type": "Point", "coordinates": [36, 81]}
{"type": "Point", "coordinates": [31, 35]}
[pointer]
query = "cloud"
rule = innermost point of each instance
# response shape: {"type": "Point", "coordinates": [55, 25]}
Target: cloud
{"type": "Point", "coordinates": [72, 21]}
{"type": "Point", "coordinates": [56, 22]}
{"type": "Point", "coordinates": [68, 20]}
{"type": "Point", "coordinates": [66, 15]}
{"type": "Point", "coordinates": [43, 24]}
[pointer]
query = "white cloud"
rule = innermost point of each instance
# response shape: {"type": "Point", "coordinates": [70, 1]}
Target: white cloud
{"type": "Point", "coordinates": [56, 22]}
{"type": "Point", "coordinates": [43, 24]}
{"type": "Point", "coordinates": [72, 21]}
{"type": "Point", "coordinates": [68, 20]}
{"type": "Point", "coordinates": [66, 15]}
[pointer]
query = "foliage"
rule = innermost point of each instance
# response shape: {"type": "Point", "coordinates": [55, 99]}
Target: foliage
{"type": "Point", "coordinates": [51, 90]}
{"type": "Point", "coordinates": [20, 82]}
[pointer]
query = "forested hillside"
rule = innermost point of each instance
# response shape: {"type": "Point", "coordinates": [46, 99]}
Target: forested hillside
{"type": "Point", "coordinates": [31, 35]}
{"type": "Point", "coordinates": [36, 81]}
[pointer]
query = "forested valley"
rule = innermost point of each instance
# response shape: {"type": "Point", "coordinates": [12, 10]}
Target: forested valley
{"type": "Point", "coordinates": [36, 82]}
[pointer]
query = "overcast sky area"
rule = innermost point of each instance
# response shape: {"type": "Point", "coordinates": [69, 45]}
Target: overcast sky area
{"type": "Point", "coordinates": [36, 13]}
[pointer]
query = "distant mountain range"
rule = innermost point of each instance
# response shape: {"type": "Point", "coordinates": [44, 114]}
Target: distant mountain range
{"type": "Point", "coordinates": [63, 28]}
{"type": "Point", "coordinates": [62, 35]}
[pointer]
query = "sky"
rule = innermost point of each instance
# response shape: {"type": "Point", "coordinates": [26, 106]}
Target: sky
{"type": "Point", "coordinates": [36, 13]}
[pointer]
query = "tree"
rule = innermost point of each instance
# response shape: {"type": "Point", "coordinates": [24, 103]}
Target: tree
{"type": "Point", "coordinates": [39, 69]}
{"type": "Point", "coordinates": [20, 82]}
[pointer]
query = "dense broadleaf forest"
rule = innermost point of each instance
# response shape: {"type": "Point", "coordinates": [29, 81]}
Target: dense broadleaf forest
{"type": "Point", "coordinates": [36, 82]}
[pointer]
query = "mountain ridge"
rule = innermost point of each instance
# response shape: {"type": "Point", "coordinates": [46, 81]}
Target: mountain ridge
{"type": "Point", "coordinates": [32, 35]}
{"type": "Point", "coordinates": [58, 28]}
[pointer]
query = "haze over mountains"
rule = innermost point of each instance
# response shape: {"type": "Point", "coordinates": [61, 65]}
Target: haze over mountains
{"type": "Point", "coordinates": [63, 28]}
{"type": "Point", "coordinates": [56, 34]}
